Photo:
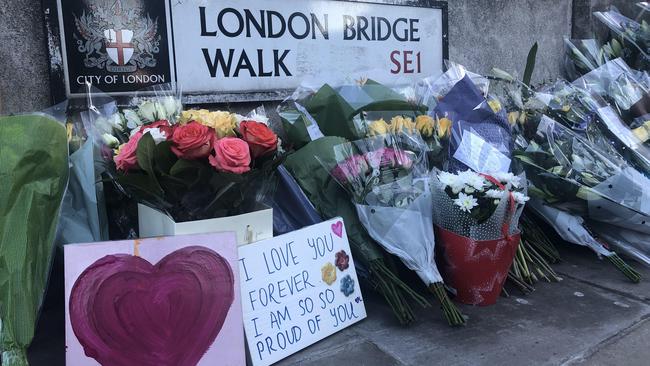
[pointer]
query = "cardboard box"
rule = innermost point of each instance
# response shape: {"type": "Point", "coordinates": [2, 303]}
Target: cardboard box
{"type": "Point", "coordinates": [249, 227]}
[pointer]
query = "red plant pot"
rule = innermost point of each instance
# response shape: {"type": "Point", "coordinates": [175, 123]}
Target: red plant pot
{"type": "Point", "coordinates": [475, 269]}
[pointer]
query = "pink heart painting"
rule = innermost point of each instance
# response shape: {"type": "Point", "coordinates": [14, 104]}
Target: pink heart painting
{"type": "Point", "coordinates": [126, 311]}
{"type": "Point", "coordinates": [337, 228]}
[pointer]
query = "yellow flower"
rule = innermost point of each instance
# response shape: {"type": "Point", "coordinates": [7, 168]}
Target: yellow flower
{"type": "Point", "coordinates": [378, 127]}
{"type": "Point", "coordinates": [513, 117]}
{"type": "Point", "coordinates": [566, 108]}
{"type": "Point", "coordinates": [425, 125]}
{"type": "Point", "coordinates": [224, 123]}
{"type": "Point", "coordinates": [444, 127]}
{"type": "Point", "coordinates": [495, 105]}
{"type": "Point", "coordinates": [642, 133]}
{"type": "Point", "coordinates": [328, 273]}
{"type": "Point", "coordinates": [400, 124]}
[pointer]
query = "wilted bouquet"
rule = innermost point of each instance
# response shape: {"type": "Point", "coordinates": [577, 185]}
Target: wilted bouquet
{"type": "Point", "coordinates": [193, 164]}
{"type": "Point", "coordinates": [388, 179]}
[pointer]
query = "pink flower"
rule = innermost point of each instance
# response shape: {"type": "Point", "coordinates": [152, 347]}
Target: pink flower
{"type": "Point", "coordinates": [126, 158]}
{"type": "Point", "coordinates": [192, 141]}
{"type": "Point", "coordinates": [231, 154]}
{"type": "Point", "coordinates": [350, 169]}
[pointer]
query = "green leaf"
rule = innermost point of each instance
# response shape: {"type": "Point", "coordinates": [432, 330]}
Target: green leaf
{"type": "Point", "coordinates": [145, 154]}
{"type": "Point", "coordinates": [164, 158]}
{"type": "Point", "coordinates": [530, 64]}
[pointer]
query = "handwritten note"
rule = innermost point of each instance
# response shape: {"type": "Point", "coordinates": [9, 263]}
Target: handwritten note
{"type": "Point", "coordinates": [297, 289]}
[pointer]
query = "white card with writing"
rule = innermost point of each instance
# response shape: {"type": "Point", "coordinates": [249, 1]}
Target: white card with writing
{"type": "Point", "coordinates": [480, 156]}
{"type": "Point", "coordinates": [297, 289]}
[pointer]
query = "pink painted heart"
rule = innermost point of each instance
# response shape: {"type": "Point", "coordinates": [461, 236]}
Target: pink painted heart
{"type": "Point", "coordinates": [337, 228]}
{"type": "Point", "coordinates": [126, 311]}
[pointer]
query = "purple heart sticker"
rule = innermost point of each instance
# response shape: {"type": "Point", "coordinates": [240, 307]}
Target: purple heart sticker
{"type": "Point", "coordinates": [126, 311]}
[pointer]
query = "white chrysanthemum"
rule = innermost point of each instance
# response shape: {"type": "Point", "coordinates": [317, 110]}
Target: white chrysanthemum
{"type": "Point", "coordinates": [503, 177]}
{"type": "Point", "coordinates": [465, 202]}
{"type": "Point", "coordinates": [448, 179]}
{"type": "Point", "coordinates": [475, 181]}
{"type": "Point", "coordinates": [520, 197]}
{"type": "Point", "coordinates": [158, 135]}
{"type": "Point", "coordinates": [495, 193]}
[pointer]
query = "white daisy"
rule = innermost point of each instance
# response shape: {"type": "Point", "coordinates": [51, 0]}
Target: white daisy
{"type": "Point", "coordinates": [465, 202]}
{"type": "Point", "coordinates": [448, 179]}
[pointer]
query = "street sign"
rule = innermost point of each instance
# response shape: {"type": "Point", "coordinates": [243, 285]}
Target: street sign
{"type": "Point", "coordinates": [235, 50]}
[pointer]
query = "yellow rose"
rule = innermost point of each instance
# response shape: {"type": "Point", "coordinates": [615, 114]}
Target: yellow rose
{"type": "Point", "coordinates": [513, 117]}
{"type": "Point", "coordinates": [400, 124]}
{"type": "Point", "coordinates": [444, 127]}
{"type": "Point", "coordinates": [328, 273]}
{"type": "Point", "coordinates": [378, 127]}
{"type": "Point", "coordinates": [224, 123]}
{"type": "Point", "coordinates": [425, 125]}
{"type": "Point", "coordinates": [495, 105]}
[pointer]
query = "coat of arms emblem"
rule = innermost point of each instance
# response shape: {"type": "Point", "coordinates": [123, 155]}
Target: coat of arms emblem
{"type": "Point", "coordinates": [117, 37]}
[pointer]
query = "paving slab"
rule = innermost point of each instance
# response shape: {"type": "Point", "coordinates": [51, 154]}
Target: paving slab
{"type": "Point", "coordinates": [630, 349]}
{"type": "Point", "coordinates": [582, 264]}
{"type": "Point", "coordinates": [555, 324]}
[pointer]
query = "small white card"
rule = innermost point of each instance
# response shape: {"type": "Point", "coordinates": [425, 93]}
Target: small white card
{"type": "Point", "coordinates": [312, 126]}
{"type": "Point", "coordinates": [481, 156]}
{"type": "Point", "coordinates": [297, 289]}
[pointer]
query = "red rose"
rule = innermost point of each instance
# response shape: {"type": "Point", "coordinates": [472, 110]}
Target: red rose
{"type": "Point", "coordinates": [126, 158]}
{"type": "Point", "coordinates": [192, 141]}
{"type": "Point", "coordinates": [259, 137]}
{"type": "Point", "coordinates": [232, 155]}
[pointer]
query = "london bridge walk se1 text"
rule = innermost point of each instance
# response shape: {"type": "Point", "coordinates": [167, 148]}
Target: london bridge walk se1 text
{"type": "Point", "coordinates": [270, 24]}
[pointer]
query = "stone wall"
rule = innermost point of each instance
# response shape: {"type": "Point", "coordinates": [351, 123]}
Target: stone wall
{"type": "Point", "coordinates": [482, 34]}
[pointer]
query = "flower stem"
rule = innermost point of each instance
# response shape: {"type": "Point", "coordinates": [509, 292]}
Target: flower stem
{"type": "Point", "coordinates": [625, 268]}
{"type": "Point", "coordinates": [449, 310]}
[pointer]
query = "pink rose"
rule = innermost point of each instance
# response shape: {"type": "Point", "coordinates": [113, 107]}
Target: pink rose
{"type": "Point", "coordinates": [126, 158]}
{"type": "Point", "coordinates": [231, 154]}
{"type": "Point", "coordinates": [192, 141]}
{"type": "Point", "coordinates": [260, 138]}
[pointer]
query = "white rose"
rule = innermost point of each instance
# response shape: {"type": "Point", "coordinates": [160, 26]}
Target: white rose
{"type": "Point", "coordinates": [172, 106]}
{"type": "Point", "coordinates": [116, 122]}
{"type": "Point", "coordinates": [161, 112]}
{"type": "Point", "coordinates": [147, 111]}
{"type": "Point", "coordinates": [132, 119]}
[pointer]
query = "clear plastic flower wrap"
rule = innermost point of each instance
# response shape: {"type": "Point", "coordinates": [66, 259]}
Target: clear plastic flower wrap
{"type": "Point", "coordinates": [571, 174]}
{"type": "Point", "coordinates": [630, 39]}
{"type": "Point", "coordinates": [625, 89]}
{"type": "Point", "coordinates": [582, 56]}
{"type": "Point", "coordinates": [388, 179]}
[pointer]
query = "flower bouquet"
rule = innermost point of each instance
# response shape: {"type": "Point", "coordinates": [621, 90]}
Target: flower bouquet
{"type": "Point", "coordinates": [314, 121]}
{"type": "Point", "coordinates": [33, 176]}
{"type": "Point", "coordinates": [388, 179]}
{"type": "Point", "coordinates": [476, 218]}
{"type": "Point", "coordinates": [572, 175]}
{"type": "Point", "coordinates": [192, 164]}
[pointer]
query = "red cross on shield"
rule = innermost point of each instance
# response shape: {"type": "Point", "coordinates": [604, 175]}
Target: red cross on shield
{"type": "Point", "coordinates": [119, 46]}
